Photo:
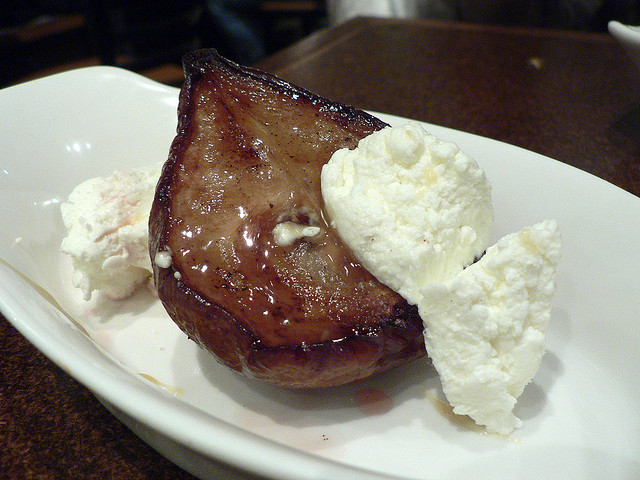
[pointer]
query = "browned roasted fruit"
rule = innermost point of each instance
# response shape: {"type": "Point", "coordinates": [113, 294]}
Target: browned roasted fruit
{"type": "Point", "coordinates": [247, 157]}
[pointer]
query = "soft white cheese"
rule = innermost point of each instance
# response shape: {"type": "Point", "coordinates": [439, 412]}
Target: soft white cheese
{"type": "Point", "coordinates": [413, 209]}
{"type": "Point", "coordinates": [288, 233]}
{"type": "Point", "coordinates": [107, 231]}
{"type": "Point", "coordinates": [163, 258]}
{"type": "Point", "coordinates": [485, 327]}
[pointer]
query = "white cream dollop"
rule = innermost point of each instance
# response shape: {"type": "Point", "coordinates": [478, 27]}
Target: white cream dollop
{"type": "Point", "coordinates": [486, 326]}
{"type": "Point", "coordinates": [107, 231]}
{"type": "Point", "coordinates": [287, 233]}
{"type": "Point", "coordinates": [163, 258]}
{"type": "Point", "coordinates": [414, 209]}
{"type": "Point", "coordinates": [417, 212]}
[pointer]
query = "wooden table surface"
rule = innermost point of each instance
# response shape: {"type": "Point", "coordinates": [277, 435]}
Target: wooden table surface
{"type": "Point", "coordinates": [572, 96]}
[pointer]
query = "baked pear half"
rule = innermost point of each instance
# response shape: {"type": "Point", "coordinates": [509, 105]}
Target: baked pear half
{"type": "Point", "coordinates": [244, 259]}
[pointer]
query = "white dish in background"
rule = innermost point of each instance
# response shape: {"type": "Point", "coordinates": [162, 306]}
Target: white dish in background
{"type": "Point", "coordinates": [581, 414]}
{"type": "Point", "coordinates": [629, 38]}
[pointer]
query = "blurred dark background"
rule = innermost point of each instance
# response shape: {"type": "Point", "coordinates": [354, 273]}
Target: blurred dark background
{"type": "Point", "coordinates": [40, 37]}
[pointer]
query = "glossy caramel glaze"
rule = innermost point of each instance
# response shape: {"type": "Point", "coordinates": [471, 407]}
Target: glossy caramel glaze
{"type": "Point", "coordinates": [248, 156]}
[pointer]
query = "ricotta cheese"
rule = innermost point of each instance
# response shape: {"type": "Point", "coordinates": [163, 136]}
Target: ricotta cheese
{"type": "Point", "coordinates": [416, 211]}
{"type": "Point", "coordinates": [413, 209]}
{"type": "Point", "coordinates": [107, 231]}
{"type": "Point", "coordinates": [486, 326]}
{"type": "Point", "coordinates": [287, 233]}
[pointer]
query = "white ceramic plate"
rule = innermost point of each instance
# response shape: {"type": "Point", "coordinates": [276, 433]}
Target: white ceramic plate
{"type": "Point", "coordinates": [581, 414]}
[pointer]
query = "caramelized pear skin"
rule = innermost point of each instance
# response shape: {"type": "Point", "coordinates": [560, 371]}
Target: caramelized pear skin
{"type": "Point", "coordinates": [247, 156]}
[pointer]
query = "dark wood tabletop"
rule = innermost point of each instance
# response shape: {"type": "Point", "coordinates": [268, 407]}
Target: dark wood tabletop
{"type": "Point", "coordinates": [572, 96]}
